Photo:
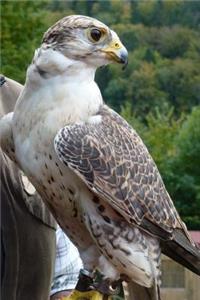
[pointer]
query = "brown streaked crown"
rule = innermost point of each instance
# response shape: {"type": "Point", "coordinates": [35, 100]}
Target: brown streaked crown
{"type": "Point", "coordinates": [63, 29]}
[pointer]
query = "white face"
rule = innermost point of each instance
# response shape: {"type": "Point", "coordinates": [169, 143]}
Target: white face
{"type": "Point", "coordinates": [89, 41]}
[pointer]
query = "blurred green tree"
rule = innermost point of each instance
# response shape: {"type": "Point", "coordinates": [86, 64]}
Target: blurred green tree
{"type": "Point", "coordinates": [187, 170]}
{"type": "Point", "coordinates": [23, 25]}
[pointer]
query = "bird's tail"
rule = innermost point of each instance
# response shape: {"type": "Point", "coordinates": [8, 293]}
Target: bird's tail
{"type": "Point", "coordinates": [183, 250]}
{"type": "Point", "coordinates": [138, 292]}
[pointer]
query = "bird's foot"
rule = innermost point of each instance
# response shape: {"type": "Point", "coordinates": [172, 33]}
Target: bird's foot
{"type": "Point", "coordinates": [85, 281]}
{"type": "Point", "coordinates": [107, 287]}
{"type": "Point", "coordinates": [94, 281]}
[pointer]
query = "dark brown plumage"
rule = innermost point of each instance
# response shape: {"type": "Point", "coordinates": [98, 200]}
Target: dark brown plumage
{"type": "Point", "coordinates": [114, 163]}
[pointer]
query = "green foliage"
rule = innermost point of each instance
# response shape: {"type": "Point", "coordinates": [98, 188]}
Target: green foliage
{"type": "Point", "coordinates": [188, 137]}
{"type": "Point", "coordinates": [180, 80]}
{"type": "Point", "coordinates": [187, 167]}
{"type": "Point", "coordinates": [22, 29]}
{"type": "Point", "coordinates": [159, 88]}
{"type": "Point", "coordinates": [166, 13]}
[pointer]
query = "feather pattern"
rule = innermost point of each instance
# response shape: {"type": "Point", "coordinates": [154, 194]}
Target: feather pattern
{"type": "Point", "coordinates": [113, 161]}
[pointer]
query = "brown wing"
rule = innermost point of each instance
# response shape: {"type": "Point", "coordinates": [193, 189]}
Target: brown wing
{"type": "Point", "coordinates": [114, 163]}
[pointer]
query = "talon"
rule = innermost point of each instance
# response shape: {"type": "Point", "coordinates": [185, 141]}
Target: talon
{"type": "Point", "coordinates": [89, 282]}
{"type": "Point", "coordinates": [116, 286]}
{"type": "Point", "coordinates": [105, 287]}
{"type": "Point", "coordinates": [114, 290]}
{"type": "Point", "coordinates": [85, 281]}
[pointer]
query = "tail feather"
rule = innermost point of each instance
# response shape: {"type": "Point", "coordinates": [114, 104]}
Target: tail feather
{"type": "Point", "coordinates": [182, 251]}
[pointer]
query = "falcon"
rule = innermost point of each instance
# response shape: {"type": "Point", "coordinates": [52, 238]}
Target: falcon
{"type": "Point", "coordinates": [89, 165]}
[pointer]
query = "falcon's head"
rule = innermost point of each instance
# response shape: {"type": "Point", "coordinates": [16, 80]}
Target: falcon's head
{"type": "Point", "coordinates": [85, 39]}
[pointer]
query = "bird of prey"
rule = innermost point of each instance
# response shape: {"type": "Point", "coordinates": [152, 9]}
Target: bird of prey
{"type": "Point", "coordinates": [90, 167]}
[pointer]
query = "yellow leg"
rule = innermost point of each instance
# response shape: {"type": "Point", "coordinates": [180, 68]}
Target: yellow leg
{"type": "Point", "coordinates": [91, 295]}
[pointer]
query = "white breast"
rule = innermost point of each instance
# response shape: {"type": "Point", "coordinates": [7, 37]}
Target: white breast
{"type": "Point", "coordinates": [49, 103]}
{"type": "Point", "coordinates": [45, 106]}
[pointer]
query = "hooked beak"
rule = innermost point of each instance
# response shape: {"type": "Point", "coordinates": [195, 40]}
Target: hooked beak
{"type": "Point", "coordinates": [116, 52]}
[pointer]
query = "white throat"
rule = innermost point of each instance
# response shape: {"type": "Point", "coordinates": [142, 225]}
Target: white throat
{"type": "Point", "coordinates": [50, 63]}
{"type": "Point", "coordinates": [61, 86]}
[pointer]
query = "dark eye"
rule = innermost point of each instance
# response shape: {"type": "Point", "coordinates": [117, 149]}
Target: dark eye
{"type": "Point", "coordinates": [95, 34]}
